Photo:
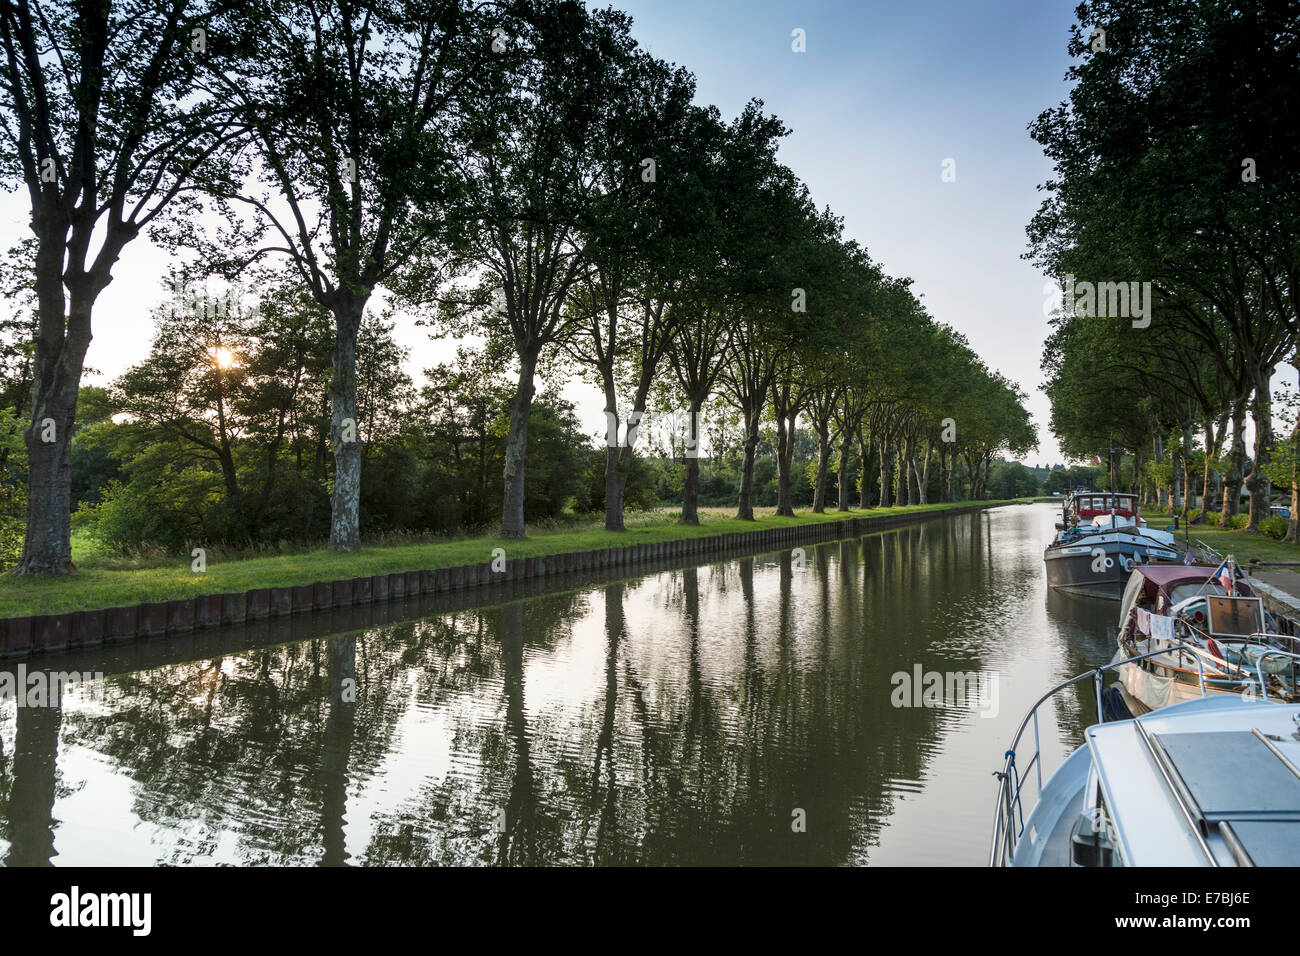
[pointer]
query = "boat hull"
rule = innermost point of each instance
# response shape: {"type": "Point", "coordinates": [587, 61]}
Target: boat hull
{"type": "Point", "coordinates": [1158, 686]}
{"type": "Point", "coordinates": [1077, 569]}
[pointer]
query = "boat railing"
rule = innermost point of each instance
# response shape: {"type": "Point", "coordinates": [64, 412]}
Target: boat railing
{"type": "Point", "coordinates": [1009, 819]}
{"type": "Point", "coordinates": [1206, 549]}
{"type": "Point", "coordinates": [1263, 674]}
{"type": "Point", "coordinates": [1244, 678]}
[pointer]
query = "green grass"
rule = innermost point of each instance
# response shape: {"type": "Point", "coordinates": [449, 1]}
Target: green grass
{"type": "Point", "coordinates": [103, 580]}
{"type": "Point", "coordinates": [1242, 545]}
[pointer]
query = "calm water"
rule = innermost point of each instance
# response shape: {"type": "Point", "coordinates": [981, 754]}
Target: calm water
{"type": "Point", "coordinates": [684, 717]}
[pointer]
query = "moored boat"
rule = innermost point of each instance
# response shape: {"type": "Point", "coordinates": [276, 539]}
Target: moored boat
{"type": "Point", "coordinates": [1100, 539]}
{"type": "Point", "coordinates": [1157, 790]}
{"type": "Point", "coordinates": [1210, 633]}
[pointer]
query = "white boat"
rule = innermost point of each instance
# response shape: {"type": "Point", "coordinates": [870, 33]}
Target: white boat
{"type": "Point", "coordinates": [1215, 640]}
{"type": "Point", "coordinates": [1208, 782]}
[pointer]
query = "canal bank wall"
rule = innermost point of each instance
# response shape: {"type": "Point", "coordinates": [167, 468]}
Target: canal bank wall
{"type": "Point", "coordinates": [31, 636]}
{"type": "Point", "coordinates": [1276, 591]}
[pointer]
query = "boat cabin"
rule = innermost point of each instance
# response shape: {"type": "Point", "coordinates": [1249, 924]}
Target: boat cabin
{"type": "Point", "coordinates": [1086, 505]}
{"type": "Point", "coordinates": [1159, 587]}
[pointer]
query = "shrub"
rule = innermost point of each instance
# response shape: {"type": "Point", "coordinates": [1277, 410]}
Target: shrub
{"type": "Point", "coordinates": [1274, 526]}
{"type": "Point", "coordinates": [13, 489]}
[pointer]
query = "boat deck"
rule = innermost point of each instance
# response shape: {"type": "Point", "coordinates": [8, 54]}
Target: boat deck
{"type": "Point", "coordinates": [1218, 761]}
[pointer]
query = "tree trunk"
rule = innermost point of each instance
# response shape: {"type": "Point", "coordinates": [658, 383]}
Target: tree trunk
{"type": "Point", "coordinates": [1293, 523]}
{"type": "Point", "coordinates": [884, 474]}
{"type": "Point", "coordinates": [1185, 478]}
{"type": "Point", "coordinates": [617, 464]}
{"type": "Point", "coordinates": [615, 483]}
{"type": "Point", "coordinates": [823, 465]}
{"type": "Point", "coordinates": [1157, 451]}
{"type": "Point", "coordinates": [745, 505]}
{"type": "Point", "coordinates": [691, 479]}
{"type": "Point", "coordinates": [909, 469]}
{"type": "Point", "coordinates": [1236, 463]}
{"type": "Point", "coordinates": [923, 478]}
{"type": "Point", "coordinates": [864, 469]}
{"type": "Point", "coordinates": [1211, 452]}
{"type": "Point", "coordinates": [345, 503]}
{"type": "Point", "coordinates": [521, 406]}
{"type": "Point", "coordinates": [47, 543]}
{"type": "Point", "coordinates": [56, 378]}
{"type": "Point", "coordinates": [785, 465]}
{"type": "Point", "coordinates": [900, 477]}
{"type": "Point", "coordinates": [1255, 481]}
{"type": "Point", "coordinates": [843, 502]}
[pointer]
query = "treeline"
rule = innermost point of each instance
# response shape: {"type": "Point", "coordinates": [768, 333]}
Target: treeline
{"type": "Point", "coordinates": [1172, 222]}
{"type": "Point", "coordinates": [522, 173]}
{"type": "Point", "coordinates": [220, 435]}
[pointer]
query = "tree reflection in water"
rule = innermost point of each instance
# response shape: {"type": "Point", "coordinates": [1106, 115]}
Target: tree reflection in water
{"type": "Point", "coordinates": [683, 717]}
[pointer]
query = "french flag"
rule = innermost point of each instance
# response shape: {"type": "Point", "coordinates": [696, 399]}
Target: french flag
{"type": "Point", "coordinates": [1224, 576]}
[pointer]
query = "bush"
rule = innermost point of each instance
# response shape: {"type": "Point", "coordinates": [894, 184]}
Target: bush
{"type": "Point", "coordinates": [13, 489]}
{"type": "Point", "coordinates": [1274, 526]}
{"type": "Point", "coordinates": [638, 493]}
{"type": "Point", "coordinates": [1240, 521]}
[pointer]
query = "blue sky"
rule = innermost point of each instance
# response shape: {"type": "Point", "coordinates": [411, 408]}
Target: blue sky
{"type": "Point", "coordinates": [882, 96]}
{"type": "Point", "coordinates": [884, 93]}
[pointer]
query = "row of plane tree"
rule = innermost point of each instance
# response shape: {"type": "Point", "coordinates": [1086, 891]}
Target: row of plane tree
{"type": "Point", "coordinates": [1171, 221]}
{"type": "Point", "coordinates": [521, 172]}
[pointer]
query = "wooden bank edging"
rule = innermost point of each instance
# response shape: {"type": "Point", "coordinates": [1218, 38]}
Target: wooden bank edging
{"type": "Point", "coordinates": [45, 633]}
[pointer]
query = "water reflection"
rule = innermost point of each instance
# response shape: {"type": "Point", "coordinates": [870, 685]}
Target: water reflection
{"type": "Point", "coordinates": [693, 716]}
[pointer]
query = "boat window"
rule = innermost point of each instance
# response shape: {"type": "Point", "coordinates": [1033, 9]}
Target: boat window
{"type": "Point", "coordinates": [1185, 591]}
{"type": "Point", "coordinates": [1235, 616]}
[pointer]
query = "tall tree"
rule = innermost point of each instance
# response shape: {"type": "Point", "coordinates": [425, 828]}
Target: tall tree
{"type": "Point", "coordinates": [351, 107]}
{"type": "Point", "coordinates": [644, 233]}
{"type": "Point", "coordinates": [535, 175]}
{"type": "Point", "coordinates": [102, 123]}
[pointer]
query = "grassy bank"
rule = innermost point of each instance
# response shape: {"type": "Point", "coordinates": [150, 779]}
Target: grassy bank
{"type": "Point", "coordinates": [1244, 546]}
{"type": "Point", "coordinates": [102, 581]}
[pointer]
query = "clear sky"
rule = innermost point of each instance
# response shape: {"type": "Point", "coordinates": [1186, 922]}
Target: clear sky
{"type": "Point", "coordinates": [882, 96]}
{"type": "Point", "coordinates": [884, 93]}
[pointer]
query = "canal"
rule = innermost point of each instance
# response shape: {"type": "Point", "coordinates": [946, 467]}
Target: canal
{"type": "Point", "coordinates": [740, 712]}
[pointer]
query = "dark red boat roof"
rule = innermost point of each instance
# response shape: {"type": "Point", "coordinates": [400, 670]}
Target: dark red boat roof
{"type": "Point", "coordinates": [1169, 576]}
